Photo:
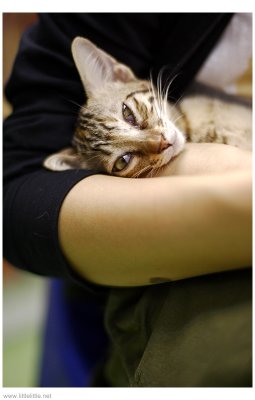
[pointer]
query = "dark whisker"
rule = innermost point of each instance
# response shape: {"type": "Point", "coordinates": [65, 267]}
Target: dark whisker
{"type": "Point", "coordinates": [143, 170]}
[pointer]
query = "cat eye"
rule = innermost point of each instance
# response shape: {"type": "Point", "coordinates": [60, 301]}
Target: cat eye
{"type": "Point", "coordinates": [122, 162]}
{"type": "Point", "coordinates": [128, 115]}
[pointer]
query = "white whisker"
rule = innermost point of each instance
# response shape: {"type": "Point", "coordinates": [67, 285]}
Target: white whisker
{"type": "Point", "coordinates": [166, 94]}
{"type": "Point", "coordinates": [177, 118]}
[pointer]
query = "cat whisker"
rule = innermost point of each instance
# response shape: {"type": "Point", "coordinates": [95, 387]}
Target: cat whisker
{"type": "Point", "coordinates": [154, 172]}
{"type": "Point", "coordinates": [78, 140]}
{"type": "Point", "coordinates": [166, 93]}
{"type": "Point", "coordinates": [73, 102]}
{"type": "Point", "coordinates": [179, 99]}
{"type": "Point", "coordinates": [173, 107]}
{"type": "Point", "coordinates": [161, 91]}
{"type": "Point", "coordinates": [172, 99]}
{"type": "Point", "coordinates": [157, 106]}
{"type": "Point", "coordinates": [150, 175]}
{"type": "Point", "coordinates": [169, 83]}
{"type": "Point", "coordinates": [143, 170]}
{"type": "Point", "coordinates": [178, 118]}
{"type": "Point", "coordinates": [93, 157]}
{"type": "Point", "coordinates": [165, 96]}
{"type": "Point", "coordinates": [79, 106]}
{"type": "Point", "coordinates": [161, 95]}
{"type": "Point", "coordinates": [174, 104]}
{"type": "Point", "coordinates": [155, 96]}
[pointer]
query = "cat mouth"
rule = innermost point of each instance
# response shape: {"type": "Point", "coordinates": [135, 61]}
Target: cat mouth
{"type": "Point", "coordinates": [166, 155]}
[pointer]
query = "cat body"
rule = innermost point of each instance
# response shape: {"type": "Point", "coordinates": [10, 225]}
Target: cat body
{"type": "Point", "coordinates": [211, 120]}
{"type": "Point", "coordinates": [128, 128]}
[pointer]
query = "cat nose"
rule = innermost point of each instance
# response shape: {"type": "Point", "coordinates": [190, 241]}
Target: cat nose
{"type": "Point", "coordinates": [156, 143]}
{"type": "Point", "coordinates": [164, 144]}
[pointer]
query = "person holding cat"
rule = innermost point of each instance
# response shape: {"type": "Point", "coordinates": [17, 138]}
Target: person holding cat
{"type": "Point", "coordinates": [125, 248]}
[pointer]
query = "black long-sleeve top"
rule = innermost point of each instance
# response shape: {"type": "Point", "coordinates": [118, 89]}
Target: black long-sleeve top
{"type": "Point", "coordinates": [45, 91]}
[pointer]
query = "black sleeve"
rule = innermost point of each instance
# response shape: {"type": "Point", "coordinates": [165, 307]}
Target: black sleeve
{"type": "Point", "coordinates": [45, 92]}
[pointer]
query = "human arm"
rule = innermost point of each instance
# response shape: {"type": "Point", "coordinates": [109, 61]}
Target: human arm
{"type": "Point", "coordinates": [45, 92]}
{"type": "Point", "coordinates": [208, 158]}
{"type": "Point", "coordinates": [129, 232]}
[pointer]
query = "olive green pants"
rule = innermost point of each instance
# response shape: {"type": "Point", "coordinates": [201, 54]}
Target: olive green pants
{"type": "Point", "coordinates": [191, 333]}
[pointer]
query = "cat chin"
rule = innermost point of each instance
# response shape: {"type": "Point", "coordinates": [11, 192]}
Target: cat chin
{"type": "Point", "coordinates": [178, 144]}
{"type": "Point", "coordinates": [166, 156]}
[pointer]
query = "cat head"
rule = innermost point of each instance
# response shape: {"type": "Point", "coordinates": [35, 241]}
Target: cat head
{"type": "Point", "coordinates": [126, 128]}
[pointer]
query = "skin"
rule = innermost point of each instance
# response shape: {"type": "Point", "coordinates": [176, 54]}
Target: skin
{"type": "Point", "coordinates": [195, 218]}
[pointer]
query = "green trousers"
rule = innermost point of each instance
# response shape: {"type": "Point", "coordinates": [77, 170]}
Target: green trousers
{"type": "Point", "coordinates": [191, 333]}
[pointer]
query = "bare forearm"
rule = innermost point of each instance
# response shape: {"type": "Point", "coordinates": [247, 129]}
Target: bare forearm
{"type": "Point", "coordinates": [128, 232]}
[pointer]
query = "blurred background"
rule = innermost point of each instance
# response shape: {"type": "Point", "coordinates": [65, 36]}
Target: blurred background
{"type": "Point", "coordinates": [24, 295]}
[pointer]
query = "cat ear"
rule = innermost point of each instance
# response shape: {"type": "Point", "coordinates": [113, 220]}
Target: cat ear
{"type": "Point", "coordinates": [97, 67]}
{"type": "Point", "coordinates": [63, 160]}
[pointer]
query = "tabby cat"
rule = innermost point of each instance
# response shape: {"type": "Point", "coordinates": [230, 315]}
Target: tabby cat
{"type": "Point", "coordinates": [127, 127]}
